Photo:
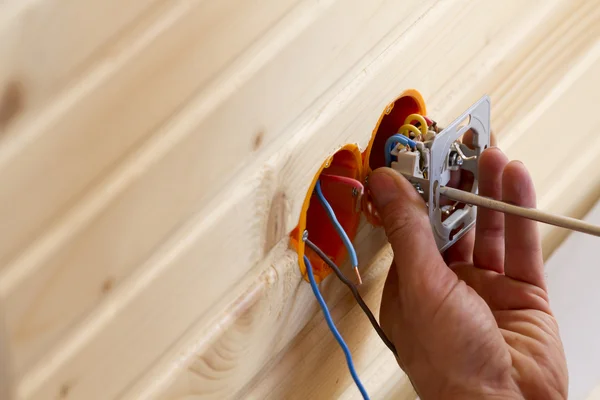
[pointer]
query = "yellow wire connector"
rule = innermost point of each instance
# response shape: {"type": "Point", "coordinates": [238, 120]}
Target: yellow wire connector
{"type": "Point", "coordinates": [420, 119]}
{"type": "Point", "coordinates": [404, 129]}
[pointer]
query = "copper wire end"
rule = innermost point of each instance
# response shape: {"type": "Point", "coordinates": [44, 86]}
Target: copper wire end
{"type": "Point", "coordinates": [359, 202]}
{"type": "Point", "coordinates": [358, 275]}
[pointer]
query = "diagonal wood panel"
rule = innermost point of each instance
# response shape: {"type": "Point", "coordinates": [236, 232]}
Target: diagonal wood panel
{"type": "Point", "coordinates": [498, 78]}
{"type": "Point", "coordinates": [136, 83]}
{"type": "Point", "coordinates": [161, 269]}
{"type": "Point", "coordinates": [86, 237]}
{"type": "Point", "coordinates": [179, 389]}
{"type": "Point", "coordinates": [46, 43]}
{"type": "Point", "coordinates": [81, 155]}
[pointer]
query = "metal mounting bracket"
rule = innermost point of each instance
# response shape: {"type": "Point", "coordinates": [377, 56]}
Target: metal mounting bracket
{"type": "Point", "coordinates": [477, 119]}
{"type": "Point", "coordinates": [446, 155]}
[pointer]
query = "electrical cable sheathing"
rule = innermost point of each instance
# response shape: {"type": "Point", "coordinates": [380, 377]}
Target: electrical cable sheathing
{"type": "Point", "coordinates": [334, 331]}
{"type": "Point", "coordinates": [355, 293]}
{"type": "Point", "coordinates": [339, 229]}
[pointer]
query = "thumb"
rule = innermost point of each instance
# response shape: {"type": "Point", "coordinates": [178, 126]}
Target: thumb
{"type": "Point", "coordinates": [407, 227]}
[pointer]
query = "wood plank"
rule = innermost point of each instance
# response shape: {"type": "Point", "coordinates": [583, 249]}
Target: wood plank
{"type": "Point", "coordinates": [368, 97]}
{"type": "Point", "coordinates": [558, 167]}
{"type": "Point", "coordinates": [181, 390]}
{"type": "Point", "coordinates": [126, 309]}
{"type": "Point", "coordinates": [339, 114]}
{"type": "Point", "coordinates": [322, 358]}
{"type": "Point", "coordinates": [559, 35]}
{"type": "Point", "coordinates": [78, 166]}
{"type": "Point", "coordinates": [86, 236]}
{"type": "Point", "coordinates": [543, 67]}
{"type": "Point", "coordinates": [136, 83]}
{"type": "Point", "coordinates": [45, 43]}
{"type": "Point", "coordinates": [222, 366]}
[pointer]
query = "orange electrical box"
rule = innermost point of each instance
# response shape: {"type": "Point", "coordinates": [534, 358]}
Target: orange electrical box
{"type": "Point", "coordinates": [350, 162]}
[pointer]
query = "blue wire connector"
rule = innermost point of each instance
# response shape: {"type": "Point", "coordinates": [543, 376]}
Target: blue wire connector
{"type": "Point", "coordinates": [391, 143]}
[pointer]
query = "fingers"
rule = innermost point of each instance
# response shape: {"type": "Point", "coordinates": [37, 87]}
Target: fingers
{"type": "Point", "coordinates": [488, 252]}
{"type": "Point", "coordinates": [523, 256]}
{"type": "Point", "coordinates": [501, 292]}
{"type": "Point", "coordinates": [404, 217]}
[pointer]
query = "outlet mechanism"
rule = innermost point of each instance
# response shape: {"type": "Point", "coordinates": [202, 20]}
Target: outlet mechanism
{"type": "Point", "coordinates": [345, 162]}
{"type": "Point", "coordinates": [349, 162]}
{"type": "Point", "coordinates": [409, 102]}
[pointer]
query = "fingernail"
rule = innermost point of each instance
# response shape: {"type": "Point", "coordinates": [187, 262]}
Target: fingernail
{"type": "Point", "coordinates": [383, 188]}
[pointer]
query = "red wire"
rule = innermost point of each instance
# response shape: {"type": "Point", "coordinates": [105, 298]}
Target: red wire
{"type": "Point", "coordinates": [347, 180]}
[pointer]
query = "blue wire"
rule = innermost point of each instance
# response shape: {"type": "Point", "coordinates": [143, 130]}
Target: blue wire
{"type": "Point", "coordinates": [336, 224]}
{"type": "Point", "coordinates": [391, 142]}
{"type": "Point", "coordinates": [334, 331]}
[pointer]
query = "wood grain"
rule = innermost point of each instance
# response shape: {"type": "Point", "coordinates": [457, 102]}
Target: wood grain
{"type": "Point", "coordinates": [365, 96]}
{"type": "Point", "coordinates": [80, 237]}
{"type": "Point", "coordinates": [40, 51]}
{"type": "Point", "coordinates": [272, 378]}
{"type": "Point", "coordinates": [134, 86]}
{"type": "Point", "coordinates": [558, 169]}
{"type": "Point", "coordinates": [175, 151]}
{"type": "Point", "coordinates": [88, 220]}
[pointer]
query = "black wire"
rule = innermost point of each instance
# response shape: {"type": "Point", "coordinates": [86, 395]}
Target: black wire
{"type": "Point", "coordinates": [355, 293]}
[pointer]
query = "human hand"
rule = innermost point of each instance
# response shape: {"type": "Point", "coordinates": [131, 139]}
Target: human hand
{"type": "Point", "coordinates": [477, 324]}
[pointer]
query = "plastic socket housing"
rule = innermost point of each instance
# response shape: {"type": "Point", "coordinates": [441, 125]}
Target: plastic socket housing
{"type": "Point", "coordinates": [348, 161]}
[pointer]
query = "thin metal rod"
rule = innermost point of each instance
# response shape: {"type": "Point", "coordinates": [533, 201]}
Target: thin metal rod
{"type": "Point", "coordinates": [529, 213]}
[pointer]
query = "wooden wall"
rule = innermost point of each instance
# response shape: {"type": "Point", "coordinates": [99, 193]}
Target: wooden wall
{"type": "Point", "coordinates": [155, 154]}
